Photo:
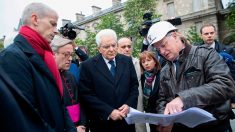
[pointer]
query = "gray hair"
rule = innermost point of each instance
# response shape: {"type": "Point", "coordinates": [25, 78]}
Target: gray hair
{"type": "Point", "coordinates": [59, 41]}
{"type": "Point", "coordinates": [105, 32]}
{"type": "Point", "coordinates": [40, 9]}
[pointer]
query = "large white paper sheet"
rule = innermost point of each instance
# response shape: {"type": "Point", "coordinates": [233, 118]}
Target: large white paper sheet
{"type": "Point", "coordinates": [190, 117]}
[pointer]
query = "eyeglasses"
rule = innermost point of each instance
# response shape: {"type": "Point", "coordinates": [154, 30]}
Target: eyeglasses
{"type": "Point", "coordinates": [67, 54]}
{"type": "Point", "coordinates": [162, 45]}
{"type": "Point", "coordinates": [108, 46]}
{"type": "Point", "coordinates": [211, 33]}
{"type": "Point", "coordinates": [126, 46]}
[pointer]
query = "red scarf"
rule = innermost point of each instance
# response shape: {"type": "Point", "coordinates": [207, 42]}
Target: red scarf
{"type": "Point", "coordinates": [44, 50]}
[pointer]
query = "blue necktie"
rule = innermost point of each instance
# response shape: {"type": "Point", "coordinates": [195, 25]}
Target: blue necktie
{"type": "Point", "coordinates": [112, 69]}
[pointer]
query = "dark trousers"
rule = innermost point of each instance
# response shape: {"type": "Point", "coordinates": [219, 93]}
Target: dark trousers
{"type": "Point", "coordinates": [217, 126]}
{"type": "Point", "coordinates": [153, 128]}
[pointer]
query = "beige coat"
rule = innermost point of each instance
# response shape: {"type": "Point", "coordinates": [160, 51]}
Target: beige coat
{"type": "Point", "coordinates": [139, 127]}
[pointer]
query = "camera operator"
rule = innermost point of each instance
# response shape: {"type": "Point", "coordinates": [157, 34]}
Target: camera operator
{"type": "Point", "coordinates": [143, 31]}
{"type": "Point", "coordinates": [68, 31]}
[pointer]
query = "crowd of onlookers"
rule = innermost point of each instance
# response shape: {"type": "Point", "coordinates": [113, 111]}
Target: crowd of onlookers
{"type": "Point", "coordinates": [48, 83]}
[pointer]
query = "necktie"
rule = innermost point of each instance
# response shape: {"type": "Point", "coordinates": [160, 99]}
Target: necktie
{"type": "Point", "coordinates": [112, 69]}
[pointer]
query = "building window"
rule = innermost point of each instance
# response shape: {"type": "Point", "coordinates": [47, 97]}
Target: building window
{"type": "Point", "coordinates": [170, 10]}
{"type": "Point", "coordinates": [199, 5]}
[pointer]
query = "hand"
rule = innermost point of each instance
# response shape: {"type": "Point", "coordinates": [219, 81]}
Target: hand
{"type": "Point", "coordinates": [81, 129]}
{"type": "Point", "coordinates": [174, 106]}
{"type": "Point", "coordinates": [124, 109]}
{"type": "Point", "coordinates": [164, 128]}
{"type": "Point", "coordinates": [116, 115]}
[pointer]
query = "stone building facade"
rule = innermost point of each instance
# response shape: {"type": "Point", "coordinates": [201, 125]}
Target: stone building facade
{"type": "Point", "coordinates": [192, 13]}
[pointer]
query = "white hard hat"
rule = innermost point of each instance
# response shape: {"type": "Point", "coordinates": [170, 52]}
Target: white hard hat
{"type": "Point", "coordinates": [158, 31]}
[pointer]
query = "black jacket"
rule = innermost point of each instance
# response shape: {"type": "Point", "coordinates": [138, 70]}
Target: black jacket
{"type": "Point", "coordinates": [101, 93]}
{"type": "Point", "coordinates": [151, 106]}
{"type": "Point", "coordinates": [34, 80]}
{"type": "Point", "coordinates": [16, 112]}
{"type": "Point", "coordinates": [204, 81]}
{"type": "Point", "coordinates": [71, 85]}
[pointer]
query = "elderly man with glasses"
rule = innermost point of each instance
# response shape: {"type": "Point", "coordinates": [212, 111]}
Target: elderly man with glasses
{"type": "Point", "coordinates": [193, 77]}
{"type": "Point", "coordinates": [64, 51]}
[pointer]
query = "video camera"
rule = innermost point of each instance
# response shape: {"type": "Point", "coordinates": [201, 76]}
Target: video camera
{"type": "Point", "coordinates": [68, 30]}
{"type": "Point", "coordinates": [148, 21]}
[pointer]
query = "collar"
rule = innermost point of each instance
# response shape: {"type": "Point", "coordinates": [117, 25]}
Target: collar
{"type": "Point", "coordinates": [183, 53]}
{"type": "Point", "coordinates": [107, 61]}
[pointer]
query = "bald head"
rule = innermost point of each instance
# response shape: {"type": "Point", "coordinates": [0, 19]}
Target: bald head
{"type": "Point", "coordinates": [125, 46]}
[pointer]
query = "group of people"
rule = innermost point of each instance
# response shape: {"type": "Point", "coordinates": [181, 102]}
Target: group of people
{"type": "Point", "coordinates": [41, 92]}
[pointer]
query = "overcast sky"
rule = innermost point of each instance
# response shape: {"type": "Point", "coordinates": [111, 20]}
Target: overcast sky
{"type": "Point", "coordinates": [11, 10]}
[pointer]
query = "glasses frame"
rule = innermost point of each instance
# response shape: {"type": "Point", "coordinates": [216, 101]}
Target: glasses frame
{"type": "Point", "coordinates": [67, 54]}
{"type": "Point", "coordinates": [164, 43]}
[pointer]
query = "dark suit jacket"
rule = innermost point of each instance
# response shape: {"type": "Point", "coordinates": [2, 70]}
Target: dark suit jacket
{"type": "Point", "coordinates": [17, 114]}
{"type": "Point", "coordinates": [102, 93]}
{"type": "Point", "coordinates": [34, 80]}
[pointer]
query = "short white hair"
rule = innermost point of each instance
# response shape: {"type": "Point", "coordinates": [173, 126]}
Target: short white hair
{"type": "Point", "coordinates": [105, 32]}
{"type": "Point", "coordinates": [40, 9]}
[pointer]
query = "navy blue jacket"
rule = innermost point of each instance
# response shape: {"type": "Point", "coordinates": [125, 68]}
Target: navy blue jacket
{"type": "Point", "coordinates": [34, 80]}
{"type": "Point", "coordinates": [101, 93]}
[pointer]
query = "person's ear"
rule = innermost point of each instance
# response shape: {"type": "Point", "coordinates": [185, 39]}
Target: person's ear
{"type": "Point", "coordinates": [34, 19]}
{"type": "Point", "coordinates": [174, 35]}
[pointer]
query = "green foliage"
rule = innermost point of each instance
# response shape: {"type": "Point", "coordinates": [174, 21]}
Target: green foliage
{"type": "Point", "coordinates": [193, 36]}
{"type": "Point", "coordinates": [134, 11]}
{"type": "Point", "coordinates": [112, 22]}
{"type": "Point", "coordinates": [108, 21]}
{"type": "Point", "coordinates": [230, 17]}
{"type": "Point", "coordinates": [133, 14]}
{"type": "Point", "coordinates": [89, 42]}
{"type": "Point", "coordinates": [230, 20]}
{"type": "Point", "coordinates": [1, 45]}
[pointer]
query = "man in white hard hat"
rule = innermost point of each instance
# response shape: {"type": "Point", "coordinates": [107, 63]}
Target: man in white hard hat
{"type": "Point", "coordinates": [193, 77]}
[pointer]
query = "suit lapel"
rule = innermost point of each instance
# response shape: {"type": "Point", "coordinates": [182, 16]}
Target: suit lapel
{"type": "Point", "coordinates": [102, 68]}
{"type": "Point", "coordinates": [120, 65]}
{"type": "Point", "coordinates": [34, 58]}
